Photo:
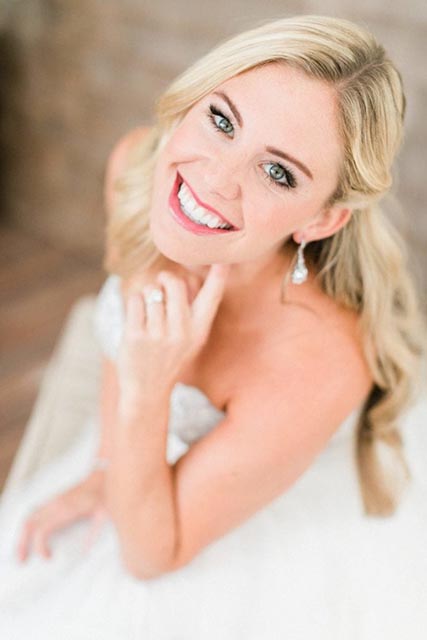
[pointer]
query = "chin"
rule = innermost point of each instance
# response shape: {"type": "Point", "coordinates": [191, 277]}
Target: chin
{"type": "Point", "coordinates": [182, 255]}
{"type": "Point", "coordinates": [174, 249]}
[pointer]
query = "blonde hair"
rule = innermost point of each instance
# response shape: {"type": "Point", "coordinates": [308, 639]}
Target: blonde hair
{"type": "Point", "coordinates": [363, 265]}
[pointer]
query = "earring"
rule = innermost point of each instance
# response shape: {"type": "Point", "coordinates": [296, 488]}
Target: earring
{"type": "Point", "coordinates": [300, 271]}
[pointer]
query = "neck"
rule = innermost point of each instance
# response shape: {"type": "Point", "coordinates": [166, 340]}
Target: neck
{"type": "Point", "coordinates": [249, 282]}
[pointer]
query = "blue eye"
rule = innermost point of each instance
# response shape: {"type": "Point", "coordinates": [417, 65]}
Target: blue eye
{"type": "Point", "coordinates": [220, 121]}
{"type": "Point", "coordinates": [274, 172]}
{"type": "Point", "coordinates": [279, 175]}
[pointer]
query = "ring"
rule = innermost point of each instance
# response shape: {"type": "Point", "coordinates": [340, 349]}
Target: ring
{"type": "Point", "coordinates": [156, 295]}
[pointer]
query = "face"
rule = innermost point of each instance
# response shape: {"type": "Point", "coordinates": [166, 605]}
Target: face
{"type": "Point", "coordinates": [261, 154]}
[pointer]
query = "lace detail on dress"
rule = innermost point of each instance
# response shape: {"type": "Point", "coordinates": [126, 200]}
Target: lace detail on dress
{"type": "Point", "coordinates": [192, 415]}
{"type": "Point", "coordinates": [109, 316]}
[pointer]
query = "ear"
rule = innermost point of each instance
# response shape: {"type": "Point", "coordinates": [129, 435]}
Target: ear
{"type": "Point", "coordinates": [324, 224]}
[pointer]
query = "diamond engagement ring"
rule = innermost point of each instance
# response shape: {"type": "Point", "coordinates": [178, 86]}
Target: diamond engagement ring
{"type": "Point", "coordinates": [156, 295]}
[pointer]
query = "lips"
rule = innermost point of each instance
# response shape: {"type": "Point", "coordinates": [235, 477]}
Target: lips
{"type": "Point", "coordinates": [203, 204]}
{"type": "Point", "coordinates": [184, 221]}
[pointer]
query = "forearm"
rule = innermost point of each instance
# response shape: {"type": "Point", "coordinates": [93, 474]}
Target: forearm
{"type": "Point", "coordinates": [108, 399]}
{"type": "Point", "coordinates": [139, 484]}
{"type": "Point", "coordinates": [104, 443]}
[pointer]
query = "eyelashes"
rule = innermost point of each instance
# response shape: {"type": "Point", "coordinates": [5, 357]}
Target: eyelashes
{"type": "Point", "coordinates": [224, 126]}
{"type": "Point", "coordinates": [215, 113]}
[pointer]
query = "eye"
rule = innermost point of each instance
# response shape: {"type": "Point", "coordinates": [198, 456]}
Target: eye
{"type": "Point", "coordinates": [220, 121]}
{"type": "Point", "coordinates": [279, 175]}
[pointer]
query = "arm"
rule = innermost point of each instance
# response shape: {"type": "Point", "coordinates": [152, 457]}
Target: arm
{"type": "Point", "coordinates": [86, 498]}
{"type": "Point", "coordinates": [139, 484]}
{"type": "Point", "coordinates": [82, 500]}
{"type": "Point", "coordinates": [108, 399]}
{"type": "Point", "coordinates": [275, 426]}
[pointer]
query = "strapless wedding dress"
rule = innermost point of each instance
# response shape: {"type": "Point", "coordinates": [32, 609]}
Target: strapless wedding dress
{"type": "Point", "coordinates": [308, 566]}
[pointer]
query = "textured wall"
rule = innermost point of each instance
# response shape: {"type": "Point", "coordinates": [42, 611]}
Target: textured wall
{"type": "Point", "coordinates": [76, 74]}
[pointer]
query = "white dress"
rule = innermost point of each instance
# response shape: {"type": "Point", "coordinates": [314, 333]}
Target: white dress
{"type": "Point", "coordinates": [310, 565]}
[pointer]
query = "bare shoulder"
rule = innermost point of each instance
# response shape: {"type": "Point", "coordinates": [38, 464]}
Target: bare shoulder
{"type": "Point", "coordinates": [310, 363]}
{"type": "Point", "coordinates": [117, 163]}
{"type": "Point", "coordinates": [295, 385]}
{"type": "Point", "coordinates": [118, 160]}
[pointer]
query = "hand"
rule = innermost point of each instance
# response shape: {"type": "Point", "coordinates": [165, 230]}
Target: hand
{"type": "Point", "coordinates": [84, 500]}
{"type": "Point", "coordinates": [160, 338]}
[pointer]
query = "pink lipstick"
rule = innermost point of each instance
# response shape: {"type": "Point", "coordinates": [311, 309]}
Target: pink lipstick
{"type": "Point", "coordinates": [184, 221]}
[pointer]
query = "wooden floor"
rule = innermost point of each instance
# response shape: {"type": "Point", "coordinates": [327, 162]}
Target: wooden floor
{"type": "Point", "coordinates": [38, 285]}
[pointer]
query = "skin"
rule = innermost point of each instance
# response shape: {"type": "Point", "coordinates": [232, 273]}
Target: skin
{"type": "Point", "coordinates": [228, 171]}
{"type": "Point", "coordinates": [295, 375]}
{"type": "Point", "coordinates": [293, 113]}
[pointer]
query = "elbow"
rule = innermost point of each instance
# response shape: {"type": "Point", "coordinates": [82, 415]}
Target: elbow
{"type": "Point", "coordinates": [143, 574]}
{"type": "Point", "coordinates": [154, 560]}
{"type": "Point", "coordinates": [141, 570]}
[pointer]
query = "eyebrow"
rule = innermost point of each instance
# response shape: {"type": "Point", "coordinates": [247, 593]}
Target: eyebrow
{"type": "Point", "coordinates": [296, 162]}
{"type": "Point", "coordinates": [232, 106]}
{"type": "Point", "coordinates": [273, 150]}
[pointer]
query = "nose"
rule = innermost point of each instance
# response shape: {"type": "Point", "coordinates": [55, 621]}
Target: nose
{"type": "Point", "coordinates": [223, 179]}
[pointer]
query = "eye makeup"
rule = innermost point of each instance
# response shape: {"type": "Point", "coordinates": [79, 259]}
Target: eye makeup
{"type": "Point", "coordinates": [222, 124]}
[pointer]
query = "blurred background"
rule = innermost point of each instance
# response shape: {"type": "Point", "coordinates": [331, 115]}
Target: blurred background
{"type": "Point", "coordinates": [75, 75]}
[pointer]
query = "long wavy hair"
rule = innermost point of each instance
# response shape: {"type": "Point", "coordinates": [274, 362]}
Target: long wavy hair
{"type": "Point", "coordinates": [363, 265]}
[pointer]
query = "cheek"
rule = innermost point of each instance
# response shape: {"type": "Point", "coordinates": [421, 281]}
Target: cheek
{"type": "Point", "coordinates": [281, 223]}
{"type": "Point", "coordinates": [263, 211]}
{"type": "Point", "coordinates": [277, 220]}
{"type": "Point", "coordinates": [185, 142]}
{"type": "Point", "coordinates": [300, 207]}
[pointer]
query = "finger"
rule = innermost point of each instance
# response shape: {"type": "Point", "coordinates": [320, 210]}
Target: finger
{"type": "Point", "coordinates": [178, 309]}
{"type": "Point", "coordinates": [51, 516]}
{"type": "Point", "coordinates": [95, 527]}
{"type": "Point", "coordinates": [135, 312]}
{"type": "Point", "coordinates": [194, 282]}
{"type": "Point", "coordinates": [40, 541]}
{"type": "Point", "coordinates": [27, 533]}
{"type": "Point", "coordinates": [207, 301]}
{"type": "Point", "coordinates": [22, 548]}
{"type": "Point", "coordinates": [40, 544]}
{"type": "Point", "coordinates": [155, 313]}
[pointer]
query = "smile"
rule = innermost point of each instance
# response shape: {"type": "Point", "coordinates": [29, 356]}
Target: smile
{"type": "Point", "coordinates": [191, 214]}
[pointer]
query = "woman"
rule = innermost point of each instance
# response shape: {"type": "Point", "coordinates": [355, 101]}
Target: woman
{"type": "Point", "coordinates": [260, 327]}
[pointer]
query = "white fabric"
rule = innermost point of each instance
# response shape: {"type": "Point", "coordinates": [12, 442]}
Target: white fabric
{"type": "Point", "coordinates": [109, 316]}
{"type": "Point", "coordinates": [68, 395]}
{"type": "Point", "coordinates": [309, 565]}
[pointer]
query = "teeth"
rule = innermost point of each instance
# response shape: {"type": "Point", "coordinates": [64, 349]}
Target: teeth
{"type": "Point", "coordinates": [196, 213]}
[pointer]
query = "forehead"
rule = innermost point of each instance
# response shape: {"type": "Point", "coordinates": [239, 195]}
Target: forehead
{"type": "Point", "coordinates": [286, 108]}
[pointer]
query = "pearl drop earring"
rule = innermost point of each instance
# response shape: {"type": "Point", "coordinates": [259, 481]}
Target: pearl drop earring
{"type": "Point", "coordinates": [300, 271]}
